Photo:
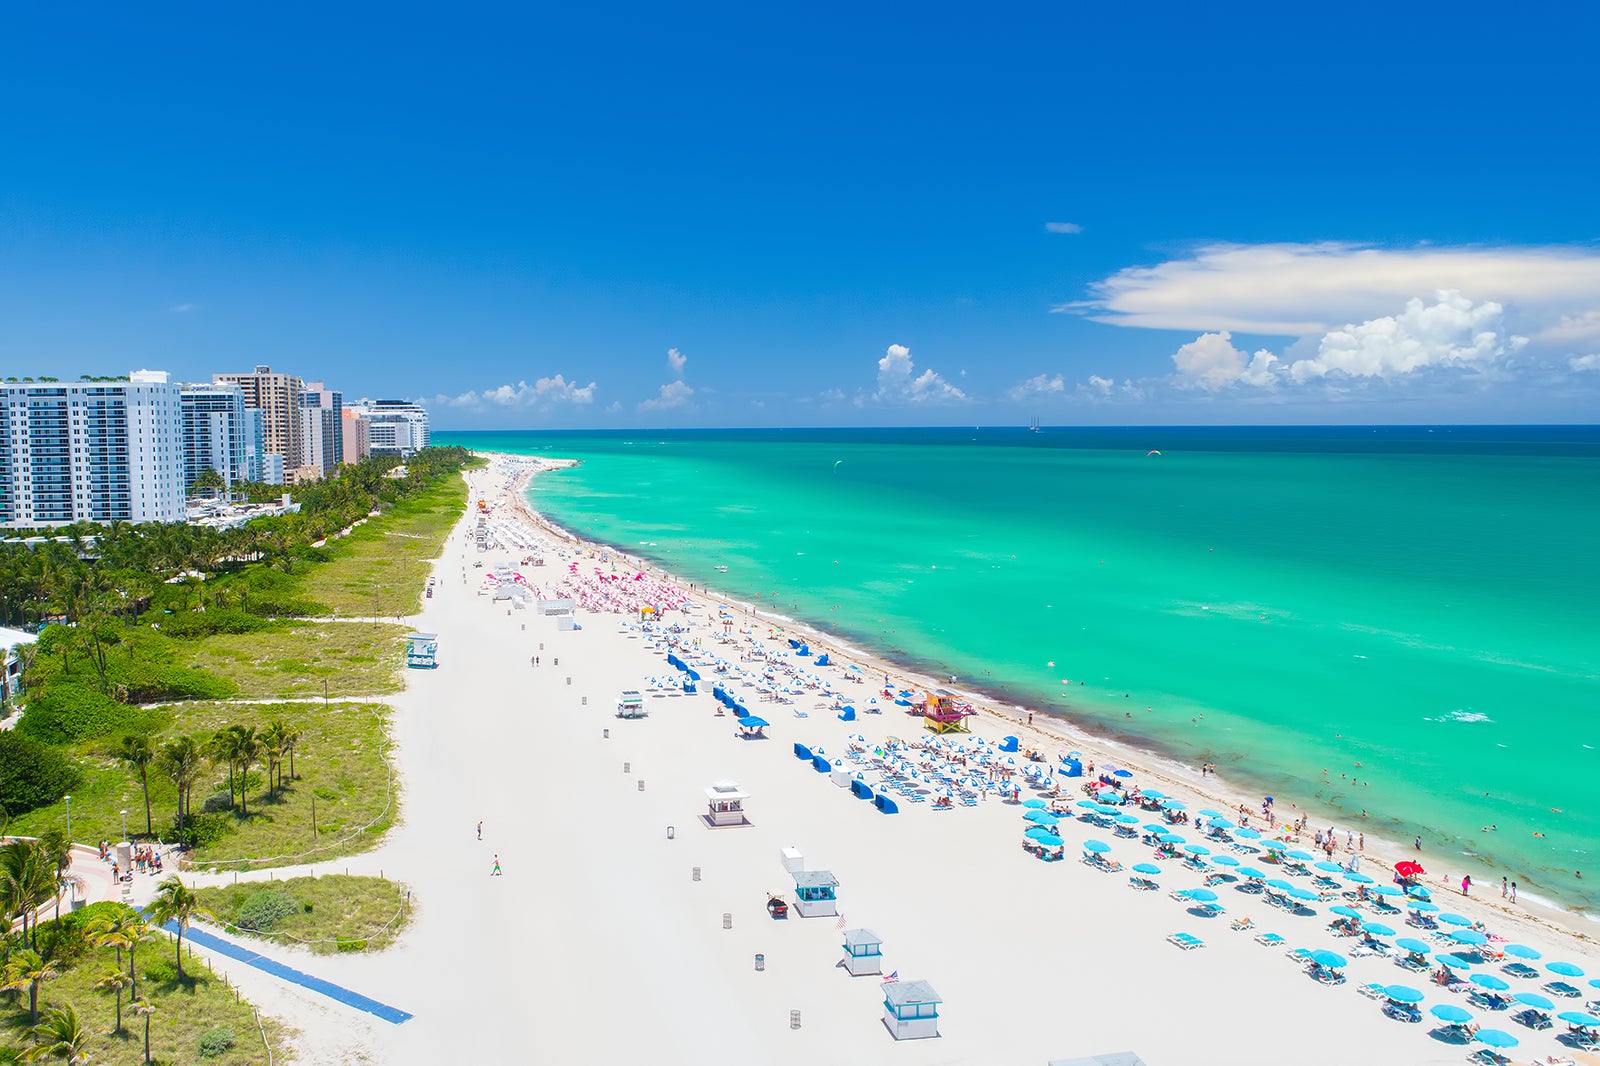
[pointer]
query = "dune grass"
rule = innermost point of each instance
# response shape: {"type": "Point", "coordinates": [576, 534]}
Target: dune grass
{"type": "Point", "coordinates": [334, 912]}
{"type": "Point", "coordinates": [351, 658]}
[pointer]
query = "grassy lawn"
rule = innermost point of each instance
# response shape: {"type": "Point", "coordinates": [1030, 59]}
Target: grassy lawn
{"type": "Point", "coordinates": [381, 567]}
{"type": "Point", "coordinates": [184, 1011]}
{"type": "Point", "coordinates": [326, 914]}
{"type": "Point", "coordinates": [339, 766]}
{"type": "Point", "coordinates": [351, 658]}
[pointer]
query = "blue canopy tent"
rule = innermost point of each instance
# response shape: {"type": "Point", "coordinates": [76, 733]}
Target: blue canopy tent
{"type": "Point", "coordinates": [885, 804]}
{"type": "Point", "coordinates": [861, 790]}
{"type": "Point", "coordinates": [802, 752]}
{"type": "Point", "coordinates": [847, 714]}
{"type": "Point", "coordinates": [1008, 744]}
{"type": "Point", "coordinates": [1071, 768]}
{"type": "Point", "coordinates": [751, 728]}
{"type": "Point", "coordinates": [822, 660]}
{"type": "Point", "coordinates": [820, 764]}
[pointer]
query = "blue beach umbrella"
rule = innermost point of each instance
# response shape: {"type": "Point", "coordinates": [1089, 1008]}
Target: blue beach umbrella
{"type": "Point", "coordinates": [1252, 873]}
{"type": "Point", "coordinates": [1034, 802]}
{"type": "Point", "coordinates": [1387, 890]}
{"type": "Point", "coordinates": [1174, 805]}
{"type": "Point", "coordinates": [1106, 809]}
{"type": "Point", "coordinates": [1449, 1012]}
{"type": "Point", "coordinates": [1495, 1038]}
{"type": "Point", "coordinates": [1376, 929]}
{"type": "Point", "coordinates": [1049, 840]}
{"type": "Point", "coordinates": [1197, 849]}
{"type": "Point", "coordinates": [1199, 895]}
{"type": "Point", "coordinates": [1151, 793]}
{"type": "Point", "coordinates": [1248, 834]}
{"type": "Point", "coordinates": [1345, 912]}
{"type": "Point", "coordinates": [1149, 869]}
{"type": "Point", "coordinates": [1522, 951]}
{"type": "Point", "coordinates": [1302, 856]}
{"type": "Point", "coordinates": [1304, 894]}
{"type": "Point", "coordinates": [1207, 812]}
{"type": "Point", "coordinates": [1038, 831]}
{"type": "Point", "coordinates": [1280, 884]}
{"type": "Point", "coordinates": [1565, 969]}
{"type": "Point", "coordinates": [1469, 936]}
{"type": "Point", "coordinates": [1332, 960]}
{"type": "Point", "coordinates": [1219, 823]}
{"type": "Point", "coordinates": [1127, 819]}
{"type": "Point", "coordinates": [1413, 945]}
{"type": "Point", "coordinates": [1489, 981]}
{"type": "Point", "coordinates": [1171, 838]}
{"type": "Point", "coordinates": [1450, 918]}
{"type": "Point", "coordinates": [1097, 847]}
{"type": "Point", "coordinates": [1041, 818]}
{"type": "Point", "coordinates": [1455, 962]}
{"type": "Point", "coordinates": [1402, 994]}
{"type": "Point", "coordinates": [1088, 804]}
{"type": "Point", "coordinates": [1579, 1017]}
{"type": "Point", "coordinates": [1534, 1000]}
{"type": "Point", "coordinates": [1422, 908]}
{"type": "Point", "coordinates": [1329, 867]}
{"type": "Point", "coordinates": [1224, 860]}
{"type": "Point", "coordinates": [1154, 827]}
{"type": "Point", "coordinates": [1355, 877]}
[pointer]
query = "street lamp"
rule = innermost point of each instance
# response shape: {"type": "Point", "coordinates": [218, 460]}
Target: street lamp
{"type": "Point", "coordinates": [124, 823]}
{"type": "Point", "coordinates": [69, 818]}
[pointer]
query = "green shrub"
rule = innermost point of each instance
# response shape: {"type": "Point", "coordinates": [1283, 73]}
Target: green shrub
{"type": "Point", "coordinates": [265, 909]}
{"type": "Point", "coordinates": [32, 774]}
{"type": "Point", "coordinates": [202, 830]}
{"type": "Point", "coordinates": [218, 801]}
{"type": "Point", "coordinates": [186, 625]}
{"type": "Point", "coordinates": [216, 1042]}
{"type": "Point", "coordinates": [65, 712]}
{"type": "Point", "coordinates": [146, 681]}
{"type": "Point", "coordinates": [350, 944]}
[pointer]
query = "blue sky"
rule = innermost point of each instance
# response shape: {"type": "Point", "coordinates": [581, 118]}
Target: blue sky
{"type": "Point", "coordinates": [848, 214]}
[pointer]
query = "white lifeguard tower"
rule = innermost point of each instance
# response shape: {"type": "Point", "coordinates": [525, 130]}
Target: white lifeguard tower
{"type": "Point", "coordinates": [726, 805]}
{"type": "Point", "coordinates": [816, 893]}
{"type": "Point", "coordinates": [630, 705]}
{"type": "Point", "coordinates": [911, 1010]}
{"type": "Point", "coordinates": [422, 651]}
{"type": "Point", "coordinates": [863, 952]}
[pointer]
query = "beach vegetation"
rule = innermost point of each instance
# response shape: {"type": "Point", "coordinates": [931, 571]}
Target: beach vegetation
{"type": "Point", "coordinates": [327, 914]}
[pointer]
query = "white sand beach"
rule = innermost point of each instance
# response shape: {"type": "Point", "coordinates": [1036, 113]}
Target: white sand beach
{"type": "Point", "coordinates": [598, 945]}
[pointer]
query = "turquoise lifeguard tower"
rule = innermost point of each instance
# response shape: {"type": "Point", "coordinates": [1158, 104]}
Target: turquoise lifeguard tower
{"type": "Point", "coordinates": [863, 952]}
{"type": "Point", "coordinates": [422, 651]}
{"type": "Point", "coordinates": [911, 1010]}
{"type": "Point", "coordinates": [816, 893]}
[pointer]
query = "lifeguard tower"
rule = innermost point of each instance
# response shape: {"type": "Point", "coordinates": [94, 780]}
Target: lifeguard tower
{"type": "Point", "coordinates": [422, 651]}
{"type": "Point", "coordinates": [726, 805]}
{"type": "Point", "coordinates": [630, 705]}
{"type": "Point", "coordinates": [911, 1010]}
{"type": "Point", "coordinates": [941, 714]}
{"type": "Point", "coordinates": [863, 952]}
{"type": "Point", "coordinates": [816, 893]}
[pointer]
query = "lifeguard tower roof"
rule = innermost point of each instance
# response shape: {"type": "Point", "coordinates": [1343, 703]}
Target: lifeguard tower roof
{"type": "Point", "coordinates": [815, 879]}
{"type": "Point", "coordinates": [726, 790]}
{"type": "Point", "coordinates": [861, 938]}
{"type": "Point", "coordinates": [901, 993]}
{"type": "Point", "coordinates": [944, 692]}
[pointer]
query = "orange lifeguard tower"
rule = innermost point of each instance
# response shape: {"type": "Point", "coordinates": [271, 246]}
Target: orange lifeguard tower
{"type": "Point", "coordinates": [941, 714]}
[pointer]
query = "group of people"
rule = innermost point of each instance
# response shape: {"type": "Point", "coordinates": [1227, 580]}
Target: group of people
{"type": "Point", "coordinates": [145, 859]}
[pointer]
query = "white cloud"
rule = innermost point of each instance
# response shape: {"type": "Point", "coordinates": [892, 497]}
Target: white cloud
{"type": "Point", "coordinates": [672, 394]}
{"type": "Point", "coordinates": [676, 360]}
{"type": "Point", "coordinates": [1452, 331]}
{"type": "Point", "coordinates": [1303, 289]}
{"type": "Point", "coordinates": [1098, 389]}
{"type": "Point", "coordinates": [1038, 385]}
{"type": "Point", "coordinates": [1572, 329]}
{"type": "Point", "coordinates": [1062, 227]}
{"type": "Point", "coordinates": [1211, 362]}
{"type": "Point", "coordinates": [543, 393]}
{"type": "Point", "coordinates": [1100, 384]}
{"type": "Point", "coordinates": [1585, 362]}
{"type": "Point", "coordinates": [898, 381]}
{"type": "Point", "coordinates": [614, 407]}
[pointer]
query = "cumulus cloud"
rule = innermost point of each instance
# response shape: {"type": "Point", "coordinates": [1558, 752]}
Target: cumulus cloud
{"type": "Point", "coordinates": [1098, 389]}
{"type": "Point", "coordinates": [899, 383]}
{"type": "Point", "coordinates": [1038, 385]}
{"type": "Point", "coordinates": [1307, 289]}
{"type": "Point", "coordinates": [1062, 227]}
{"type": "Point", "coordinates": [672, 394]}
{"type": "Point", "coordinates": [1572, 329]}
{"type": "Point", "coordinates": [1211, 362]}
{"type": "Point", "coordinates": [1585, 362]}
{"type": "Point", "coordinates": [1452, 331]}
{"type": "Point", "coordinates": [1100, 384]}
{"type": "Point", "coordinates": [676, 361]}
{"type": "Point", "coordinates": [543, 393]}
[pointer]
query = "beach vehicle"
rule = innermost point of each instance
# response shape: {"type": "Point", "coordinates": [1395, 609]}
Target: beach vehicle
{"type": "Point", "coordinates": [777, 907]}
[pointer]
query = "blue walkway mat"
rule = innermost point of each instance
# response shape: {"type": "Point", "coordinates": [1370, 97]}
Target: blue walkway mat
{"type": "Point", "coordinates": [288, 973]}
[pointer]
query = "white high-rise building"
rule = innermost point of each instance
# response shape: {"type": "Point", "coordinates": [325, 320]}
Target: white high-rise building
{"type": "Point", "coordinates": [394, 427]}
{"type": "Point", "coordinates": [216, 433]}
{"type": "Point", "coordinates": [91, 451]}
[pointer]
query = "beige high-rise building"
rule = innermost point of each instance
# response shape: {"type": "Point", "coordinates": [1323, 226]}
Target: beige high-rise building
{"type": "Point", "coordinates": [278, 398]}
{"type": "Point", "coordinates": [356, 439]}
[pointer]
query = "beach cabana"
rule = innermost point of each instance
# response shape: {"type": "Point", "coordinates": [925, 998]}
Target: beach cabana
{"type": "Point", "coordinates": [422, 651]}
{"type": "Point", "coordinates": [802, 752]}
{"type": "Point", "coordinates": [816, 893]}
{"type": "Point", "coordinates": [753, 728]}
{"type": "Point", "coordinates": [725, 802]}
{"type": "Point", "coordinates": [911, 1010]}
{"type": "Point", "coordinates": [861, 790]}
{"type": "Point", "coordinates": [885, 804]}
{"type": "Point", "coordinates": [863, 952]}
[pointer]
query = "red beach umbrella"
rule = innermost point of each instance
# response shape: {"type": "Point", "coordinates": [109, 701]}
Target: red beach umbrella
{"type": "Point", "coordinates": [1409, 869]}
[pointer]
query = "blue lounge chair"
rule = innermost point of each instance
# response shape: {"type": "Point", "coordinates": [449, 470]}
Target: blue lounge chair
{"type": "Point", "coordinates": [1185, 941]}
{"type": "Point", "coordinates": [1270, 940]}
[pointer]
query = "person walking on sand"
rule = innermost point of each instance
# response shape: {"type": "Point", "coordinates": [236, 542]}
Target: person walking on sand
{"type": "Point", "coordinates": [1466, 883]}
{"type": "Point", "coordinates": [496, 871]}
{"type": "Point", "coordinates": [480, 830]}
{"type": "Point", "coordinates": [1513, 892]}
{"type": "Point", "coordinates": [1503, 887]}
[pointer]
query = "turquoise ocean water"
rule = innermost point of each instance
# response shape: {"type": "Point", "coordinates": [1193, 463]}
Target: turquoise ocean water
{"type": "Point", "coordinates": [1412, 609]}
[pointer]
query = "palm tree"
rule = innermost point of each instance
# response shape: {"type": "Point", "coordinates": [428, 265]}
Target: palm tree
{"type": "Point", "coordinates": [144, 1009]}
{"type": "Point", "coordinates": [137, 929]}
{"type": "Point", "coordinates": [247, 749]}
{"type": "Point", "coordinates": [177, 902]}
{"type": "Point", "coordinates": [291, 740]}
{"type": "Point", "coordinates": [59, 1036]}
{"type": "Point", "coordinates": [27, 970]}
{"type": "Point", "coordinates": [114, 980]}
{"type": "Point", "coordinates": [272, 746]}
{"type": "Point", "coordinates": [138, 752]}
{"type": "Point", "coordinates": [224, 747]}
{"type": "Point", "coordinates": [180, 758]}
{"type": "Point", "coordinates": [28, 880]}
{"type": "Point", "coordinates": [111, 932]}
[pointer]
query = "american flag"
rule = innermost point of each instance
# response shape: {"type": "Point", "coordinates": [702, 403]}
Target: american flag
{"type": "Point", "coordinates": [840, 923]}
{"type": "Point", "coordinates": [892, 978]}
